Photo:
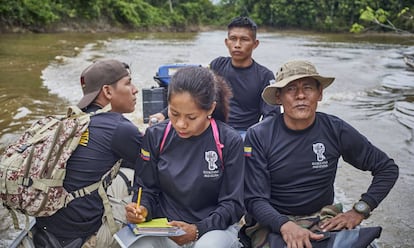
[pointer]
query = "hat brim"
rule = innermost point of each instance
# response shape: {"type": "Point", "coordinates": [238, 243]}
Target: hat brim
{"type": "Point", "coordinates": [269, 93]}
{"type": "Point", "coordinates": [88, 99]}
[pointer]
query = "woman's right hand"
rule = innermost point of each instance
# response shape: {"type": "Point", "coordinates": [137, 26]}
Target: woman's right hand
{"type": "Point", "coordinates": [134, 214]}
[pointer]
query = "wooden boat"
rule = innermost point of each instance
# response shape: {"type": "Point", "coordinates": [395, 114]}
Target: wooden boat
{"type": "Point", "coordinates": [409, 60]}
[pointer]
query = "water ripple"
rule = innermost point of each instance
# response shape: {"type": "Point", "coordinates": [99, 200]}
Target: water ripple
{"type": "Point", "coordinates": [404, 111]}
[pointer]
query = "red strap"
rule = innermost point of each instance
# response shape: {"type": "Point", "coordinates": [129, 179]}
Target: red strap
{"type": "Point", "coordinates": [215, 135]}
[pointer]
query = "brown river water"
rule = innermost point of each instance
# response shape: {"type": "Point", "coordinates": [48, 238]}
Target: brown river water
{"type": "Point", "coordinates": [373, 90]}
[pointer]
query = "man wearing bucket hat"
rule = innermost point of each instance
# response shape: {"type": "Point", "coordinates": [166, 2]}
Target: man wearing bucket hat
{"type": "Point", "coordinates": [109, 137]}
{"type": "Point", "coordinates": [291, 162]}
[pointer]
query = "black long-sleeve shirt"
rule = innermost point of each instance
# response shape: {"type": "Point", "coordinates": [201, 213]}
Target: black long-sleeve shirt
{"type": "Point", "coordinates": [188, 182]}
{"type": "Point", "coordinates": [293, 172]}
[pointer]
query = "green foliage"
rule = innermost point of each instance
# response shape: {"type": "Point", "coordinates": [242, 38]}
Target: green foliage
{"type": "Point", "coordinates": [406, 19]}
{"type": "Point", "coordinates": [370, 15]}
{"type": "Point", "coordinates": [356, 28]}
{"type": "Point", "coordinates": [27, 12]}
{"type": "Point", "coordinates": [196, 12]}
{"type": "Point", "coordinates": [323, 15]}
{"type": "Point", "coordinates": [125, 12]}
{"type": "Point", "coordinates": [380, 17]}
{"type": "Point", "coordinates": [40, 13]}
{"type": "Point", "coordinates": [367, 14]}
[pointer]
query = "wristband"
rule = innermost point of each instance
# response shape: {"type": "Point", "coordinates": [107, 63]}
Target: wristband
{"type": "Point", "coordinates": [196, 236]}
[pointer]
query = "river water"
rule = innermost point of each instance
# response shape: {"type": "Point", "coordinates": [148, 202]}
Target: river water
{"type": "Point", "coordinates": [373, 90]}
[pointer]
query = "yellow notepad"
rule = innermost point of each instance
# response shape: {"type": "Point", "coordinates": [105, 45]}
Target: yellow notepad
{"type": "Point", "coordinates": [156, 227]}
{"type": "Point", "coordinates": [159, 222]}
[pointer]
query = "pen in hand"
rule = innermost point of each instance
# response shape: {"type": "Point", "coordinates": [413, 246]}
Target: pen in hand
{"type": "Point", "coordinates": [139, 199]}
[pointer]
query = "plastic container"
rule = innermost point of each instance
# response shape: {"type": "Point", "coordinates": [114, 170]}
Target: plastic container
{"type": "Point", "coordinates": [154, 100]}
{"type": "Point", "coordinates": [165, 72]}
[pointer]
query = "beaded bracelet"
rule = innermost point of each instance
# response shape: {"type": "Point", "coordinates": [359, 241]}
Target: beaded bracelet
{"type": "Point", "coordinates": [196, 236]}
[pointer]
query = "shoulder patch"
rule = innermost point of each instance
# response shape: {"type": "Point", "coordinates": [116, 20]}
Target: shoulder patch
{"type": "Point", "coordinates": [145, 155]}
{"type": "Point", "coordinates": [84, 138]}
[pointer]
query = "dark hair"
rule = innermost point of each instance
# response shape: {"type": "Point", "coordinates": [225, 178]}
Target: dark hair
{"type": "Point", "coordinates": [205, 87]}
{"type": "Point", "coordinates": [243, 22]}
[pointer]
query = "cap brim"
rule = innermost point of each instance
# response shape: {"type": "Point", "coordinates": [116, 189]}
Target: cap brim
{"type": "Point", "coordinates": [88, 99]}
{"type": "Point", "coordinates": [269, 93]}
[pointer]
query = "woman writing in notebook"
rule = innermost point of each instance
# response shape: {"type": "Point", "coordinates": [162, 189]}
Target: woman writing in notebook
{"type": "Point", "coordinates": [193, 172]}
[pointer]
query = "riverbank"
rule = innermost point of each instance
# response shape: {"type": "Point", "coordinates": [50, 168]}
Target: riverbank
{"type": "Point", "coordinates": [98, 26]}
{"type": "Point", "coordinates": [105, 26]}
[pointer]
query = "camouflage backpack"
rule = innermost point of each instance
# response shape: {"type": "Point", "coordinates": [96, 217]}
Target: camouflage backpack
{"type": "Point", "coordinates": [33, 168]}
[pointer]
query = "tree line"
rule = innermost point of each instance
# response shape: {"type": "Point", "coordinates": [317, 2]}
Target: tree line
{"type": "Point", "coordinates": [178, 15]}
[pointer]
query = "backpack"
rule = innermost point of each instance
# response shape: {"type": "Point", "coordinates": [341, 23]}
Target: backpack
{"type": "Point", "coordinates": [32, 169]}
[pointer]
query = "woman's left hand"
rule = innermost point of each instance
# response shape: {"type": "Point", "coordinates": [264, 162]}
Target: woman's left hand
{"type": "Point", "coordinates": [191, 233]}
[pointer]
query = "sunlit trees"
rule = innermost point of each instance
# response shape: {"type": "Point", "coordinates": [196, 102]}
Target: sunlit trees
{"type": "Point", "coordinates": [319, 15]}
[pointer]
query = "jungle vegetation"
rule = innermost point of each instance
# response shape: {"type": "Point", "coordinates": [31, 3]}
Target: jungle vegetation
{"type": "Point", "coordinates": [179, 15]}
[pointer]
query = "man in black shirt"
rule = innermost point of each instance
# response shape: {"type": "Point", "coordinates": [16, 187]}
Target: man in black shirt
{"type": "Point", "coordinates": [292, 158]}
{"type": "Point", "coordinates": [244, 75]}
{"type": "Point", "coordinates": [109, 137]}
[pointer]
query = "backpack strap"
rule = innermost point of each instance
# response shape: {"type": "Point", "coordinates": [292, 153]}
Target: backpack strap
{"type": "Point", "coordinates": [128, 183]}
{"type": "Point", "coordinates": [216, 136]}
{"type": "Point", "coordinates": [102, 193]}
{"type": "Point", "coordinates": [101, 186]}
{"type": "Point", "coordinates": [75, 110]}
{"type": "Point", "coordinates": [105, 109]}
{"type": "Point", "coordinates": [167, 130]}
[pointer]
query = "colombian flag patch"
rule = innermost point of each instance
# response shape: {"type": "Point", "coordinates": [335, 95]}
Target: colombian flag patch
{"type": "Point", "coordinates": [247, 151]}
{"type": "Point", "coordinates": [145, 155]}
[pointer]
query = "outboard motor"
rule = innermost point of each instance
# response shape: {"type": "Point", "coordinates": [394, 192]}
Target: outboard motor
{"type": "Point", "coordinates": [154, 99]}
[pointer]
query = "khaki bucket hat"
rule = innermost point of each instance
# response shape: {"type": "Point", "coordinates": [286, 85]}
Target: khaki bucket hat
{"type": "Point", "coordinates": [292, 71]}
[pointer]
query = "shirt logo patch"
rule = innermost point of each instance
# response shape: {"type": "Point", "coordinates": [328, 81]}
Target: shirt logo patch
{"type": "Point", "coordinates": [319, 150]}
{"type": "Point", "coordinates": [211, 157]}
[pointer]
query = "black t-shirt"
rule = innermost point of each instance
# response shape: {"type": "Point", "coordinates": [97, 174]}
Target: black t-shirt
{"type": "Point", "coordinates": [247, 84]}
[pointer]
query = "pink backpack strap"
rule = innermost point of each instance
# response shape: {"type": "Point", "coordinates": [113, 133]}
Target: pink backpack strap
{"type": "Point", "coordinates": [215, 135]}
{"type": "Point", "coordinates": [217, 139]}
{"type": "Point", "coordinates": [167, 130]}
